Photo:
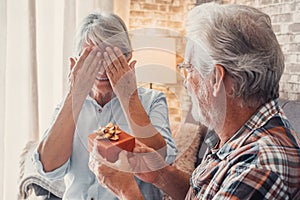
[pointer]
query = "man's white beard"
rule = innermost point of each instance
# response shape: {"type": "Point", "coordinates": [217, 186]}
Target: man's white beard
{"type": "Point", "coordinates": [195, 109]}
{"type": "Point", "coordinates": [197, 113]}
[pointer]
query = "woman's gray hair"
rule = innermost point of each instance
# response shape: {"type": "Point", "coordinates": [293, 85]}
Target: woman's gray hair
{"type": "Point", "coordinates": [103, 29]}
{"type": "Point", "coordinates": [241, 39]}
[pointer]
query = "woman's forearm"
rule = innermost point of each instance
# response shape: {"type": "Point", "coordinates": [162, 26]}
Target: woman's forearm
{"type": "Point", "coordinates": [141, 125]}
{"type": "Point", "coordinates": [56, 148]}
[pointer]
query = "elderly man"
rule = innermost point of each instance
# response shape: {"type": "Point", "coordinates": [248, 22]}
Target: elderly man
{"type": "Point", "coordinates": [234, 64]}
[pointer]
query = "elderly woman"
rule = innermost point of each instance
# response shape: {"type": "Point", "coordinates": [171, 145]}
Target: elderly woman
{"type": "Point", "coordinates": [234, 65]}
{"type": "Point", "coordinates": [102, 89]}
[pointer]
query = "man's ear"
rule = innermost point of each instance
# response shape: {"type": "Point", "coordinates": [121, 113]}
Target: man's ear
{"type": "Point", "coordinates": [218, 79]}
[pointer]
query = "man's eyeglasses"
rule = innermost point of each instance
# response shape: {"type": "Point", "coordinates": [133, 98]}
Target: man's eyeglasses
{"type": "Point", "coordinates": [185, 69]}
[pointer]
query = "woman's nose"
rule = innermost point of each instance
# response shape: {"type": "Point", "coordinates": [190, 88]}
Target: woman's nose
{"type": "Point", "coordinates": [102, 70]}
{"type": "Point", "coordinates": [185, 83]}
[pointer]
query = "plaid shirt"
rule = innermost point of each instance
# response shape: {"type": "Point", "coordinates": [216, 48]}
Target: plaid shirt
{"type": "Point", "coordinates": [261, 161]}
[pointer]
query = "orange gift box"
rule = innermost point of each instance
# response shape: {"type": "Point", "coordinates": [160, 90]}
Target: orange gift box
{"type": "Point", "coordinates": [109, 149]}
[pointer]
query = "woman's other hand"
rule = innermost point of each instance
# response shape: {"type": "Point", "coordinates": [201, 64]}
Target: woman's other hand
{"type": "Point", "coordinates": [121, 74]}
{"type": "Point", "coordinates": [145, 163]}
{"type": "Point", "coordinates": [114, 177]}
{"type": "Point", "coordinates": [84, 71]}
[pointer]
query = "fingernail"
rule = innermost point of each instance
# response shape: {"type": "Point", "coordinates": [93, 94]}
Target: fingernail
{"type": "Point", "coordinates": [105, 54]}
{"type": "Point", "coordinates": [98, 54]}
{"type": "Point", "coordinates": [116, 49]}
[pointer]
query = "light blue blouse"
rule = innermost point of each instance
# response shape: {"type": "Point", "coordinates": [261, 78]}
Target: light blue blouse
{"type": "Point", "coordinates": [80, 182]}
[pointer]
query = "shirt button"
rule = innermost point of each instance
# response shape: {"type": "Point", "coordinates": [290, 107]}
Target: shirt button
{"type": "Point", "coordinates": [92, 198]}
{"type": "Point", "coordinates": [99, 110]}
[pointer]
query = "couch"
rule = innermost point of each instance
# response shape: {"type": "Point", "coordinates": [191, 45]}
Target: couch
{"type": "Point", "coordinates": [188, 137]}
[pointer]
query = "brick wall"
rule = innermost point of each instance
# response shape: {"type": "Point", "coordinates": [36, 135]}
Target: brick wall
{"type": "Point", "coordinates": [167, 17]}
{"type": "Point", "coordinates": [169, 14]}
{"type": "Point", "coordinates": [159, 13]}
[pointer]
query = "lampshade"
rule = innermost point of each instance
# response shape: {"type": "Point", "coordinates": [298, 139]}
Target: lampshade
{"type": "Point", "coordinates": [156, 59]}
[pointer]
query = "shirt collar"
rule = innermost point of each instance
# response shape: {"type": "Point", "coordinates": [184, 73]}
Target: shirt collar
{"type": "Point", "coordinates": [89, 98]}
{"type": "Point", "coordinates": [257, 120]}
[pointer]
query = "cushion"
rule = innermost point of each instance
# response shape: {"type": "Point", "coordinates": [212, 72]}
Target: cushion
{"type": "Point", "coordinates": [187, 139]}
{"type": "Point", "coordinates": [292, 111]}
{"type": "Point", "coordinates": [30, 179]}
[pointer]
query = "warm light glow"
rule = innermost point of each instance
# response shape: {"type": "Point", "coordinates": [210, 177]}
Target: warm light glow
{"type": "Point", "coordinates": [156, 59]}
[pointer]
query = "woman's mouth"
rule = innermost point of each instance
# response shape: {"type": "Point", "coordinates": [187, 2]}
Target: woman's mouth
{"type": "Point", "coordinates": [101, 76]}
{"type": "Point", "coordinates": [102, 79]}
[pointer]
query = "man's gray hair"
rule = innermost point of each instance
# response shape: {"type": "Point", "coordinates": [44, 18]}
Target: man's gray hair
{"type": "Point", "coordinates": [241, 39]}
{"type": "Point", "coordinates": [105, 29]}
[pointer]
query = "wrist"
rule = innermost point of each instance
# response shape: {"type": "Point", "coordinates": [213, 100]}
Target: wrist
{"type": "Point", "coordinates": [132, 191]}
{"type": "Point", "coordinates": [161, 179]}
{"type": "Point", "coordinates": [130, 100]}
{"type": "Point", "coordinates": [73, 102]}
{"type": "Point", "coordinates": [134, 96]}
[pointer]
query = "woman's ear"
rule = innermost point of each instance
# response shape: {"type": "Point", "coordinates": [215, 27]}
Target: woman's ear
{"type": "Point", "coordinates": [218, 79]}
{"type": "Point", "coordinates": [72, 62]}
{"type": "Point", "coordinates": [129, 57]}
